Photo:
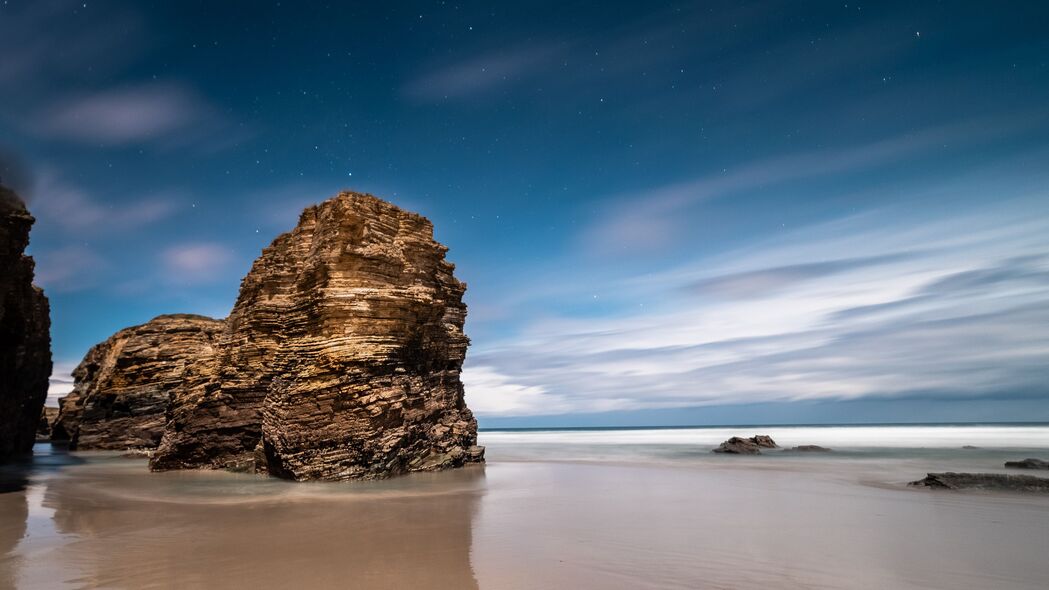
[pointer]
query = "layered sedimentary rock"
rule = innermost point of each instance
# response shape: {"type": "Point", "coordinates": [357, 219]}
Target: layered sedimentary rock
{"type": "Point", "coordinates": [746, 446]}
{"type": "Point", "coordinates": [25, 340]}
{"type": "Point", "coordinates": [123, 387]}
{"type": "Point", "coordinates": [340, 359]}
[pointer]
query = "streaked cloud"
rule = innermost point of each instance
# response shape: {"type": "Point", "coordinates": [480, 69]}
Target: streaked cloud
{"type": "Point", "coordinates": [73, 267]}
{"type": "Point", "coordinates": [930, 306]}
{"type": "Point", "coordinates": [196, 262]}
{"type": "Point", "coordinates": [653, 220]}
{"type": "Point", "coordinates": [73, 209]}
{"type": "Point", "coordinates": [483, 73]}
{"type": "Point", "coordinates": [129, 114]}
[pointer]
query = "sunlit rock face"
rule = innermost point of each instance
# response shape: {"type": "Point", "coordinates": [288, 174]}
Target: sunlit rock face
{"type": "Point", "coordinates": [25, 339]}
{"type": "Point", "coordinates": [340, 359]}
{"type": "Point", "coordinates": [123, 387]}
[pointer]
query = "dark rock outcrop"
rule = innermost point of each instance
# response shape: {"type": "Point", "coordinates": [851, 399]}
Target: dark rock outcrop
{"type": "Point", "coordinates": [746, 446]}
{"type": "Point", "coordinates": [25, 339]}
{"type": "Point", "coordinates": [811, 449]}
{"type": "Point", "coordinates": [1028, 464]}
{"type": "Point", "coordinates": [123, 387]}
{"type": "Point", "coordinates": [983, 481]}
{"type": "Point", "coordinates": [340, 359]}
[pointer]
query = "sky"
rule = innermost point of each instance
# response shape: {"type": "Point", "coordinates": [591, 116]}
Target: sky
{"type": "Point", "coordinates": [666, 213]}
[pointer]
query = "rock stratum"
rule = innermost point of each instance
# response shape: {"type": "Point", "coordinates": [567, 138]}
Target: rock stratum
{"type": "Point", "coordinates": [124, 386]}
{"type": "Point", "coordinates": [25, 339]}
{"type": "Point", "coordinates": [340, 360]}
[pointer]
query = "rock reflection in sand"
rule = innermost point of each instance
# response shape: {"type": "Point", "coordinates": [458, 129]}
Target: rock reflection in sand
{"type": "Point", "coordinates": [122, 527]}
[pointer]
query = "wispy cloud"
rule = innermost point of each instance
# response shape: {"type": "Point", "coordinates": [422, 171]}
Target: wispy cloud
{"type": "Point", "coordinates": [74, 210]}
{"type": "Point", "coordinates": [130, 114]}
{"type": "Point", "coordinates": [193, 263]}
{"type": "Point", "coordinates": [74, 267]}
{"type": "Point", "coordinates": [42, 46]}
{"type": "Point", "coordinates": [653, 220]}
{"type": "Point", "coordinates": [766, 281]}
{"type": "Point", "coordinates": [482, 73]}
{"type": "Point", "coordinates": [67, 76]}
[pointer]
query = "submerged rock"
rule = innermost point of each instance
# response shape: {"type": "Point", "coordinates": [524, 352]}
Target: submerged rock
{"type": "Point", "coordinates": [746, 446]}
{"type": "Point", "coordinates": [984, 481]}
{"type": "Point", "coordinates": [1028, 464]}
{"type": "Point", "coordinates": [340, 359]}
{"type": "Point", "coordinates": [25, 339]}
{"type": "Point", "coordinates": [122, 388]}
{"type": "Point", "coordinates": [811, 449]}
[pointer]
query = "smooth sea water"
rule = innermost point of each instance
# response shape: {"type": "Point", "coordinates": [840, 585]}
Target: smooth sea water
{"type": "Point", "coordinates": [693, 444]}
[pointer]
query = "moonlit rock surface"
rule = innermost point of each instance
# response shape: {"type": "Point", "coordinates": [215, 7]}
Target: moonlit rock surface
{"type": "Point", "coordinates": [340, 359]}
{"type": "Point", "coordinates": [25, 338]}
{"type": "Point", "coordinates": [122, 388]}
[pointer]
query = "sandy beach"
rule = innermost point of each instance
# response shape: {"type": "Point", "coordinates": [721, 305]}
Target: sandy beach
{"type": "Point", "coordinates": [550, 510]}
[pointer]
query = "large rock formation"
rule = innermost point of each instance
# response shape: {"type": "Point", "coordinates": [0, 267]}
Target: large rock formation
{"type": "Point", "coordinates": [340, 359]}
{"type": "Point", "coordinates": [123, 387]}
{"type": "Point", "coordinates": [25, 339]}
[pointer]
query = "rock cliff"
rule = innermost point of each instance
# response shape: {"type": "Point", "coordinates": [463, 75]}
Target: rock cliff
{"type": "Point", "coordinates": [123, 387]}
{"type": "Point", "coordinates": [340, 359]}
{"type": "Point", "coordinates": [25, 339]}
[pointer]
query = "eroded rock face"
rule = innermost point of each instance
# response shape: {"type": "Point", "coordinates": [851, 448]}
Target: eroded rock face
{"type": "Point", "coordinates": [123, 387]}
{"type": "Point", "coordinates": [746, 446]}
{"type": "Point", "coordinates": [25, 339]}
{"type": "Point", "coordinates": [340, 359]}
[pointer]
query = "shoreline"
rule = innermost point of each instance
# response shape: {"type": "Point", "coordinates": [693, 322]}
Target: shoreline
{"type": "Point", "coordinates": [529, 518]}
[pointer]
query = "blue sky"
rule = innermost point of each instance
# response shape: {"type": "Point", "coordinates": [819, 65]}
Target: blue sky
{"type": "Point", "coordinates": [666, 212]}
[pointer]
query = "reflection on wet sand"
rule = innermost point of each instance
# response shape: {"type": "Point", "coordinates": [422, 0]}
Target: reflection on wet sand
{"type": "Point", "coordinates": [13, 515]}
{"type": "Point", "coordinates": [123, 528]}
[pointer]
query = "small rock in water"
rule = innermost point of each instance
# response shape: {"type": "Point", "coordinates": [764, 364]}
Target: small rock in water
{"type": "Point", "coordinates": [746, 446]}
{"type": "Point", "coordinates": [984, 481]}
{"type": "Point", "coordinates": [811, 449]}
{"type": "Point", "coordinates": [1028, 464]}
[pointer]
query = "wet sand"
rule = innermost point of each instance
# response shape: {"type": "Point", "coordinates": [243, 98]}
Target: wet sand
{"type": "Point", "coordinates": [100, 520]}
